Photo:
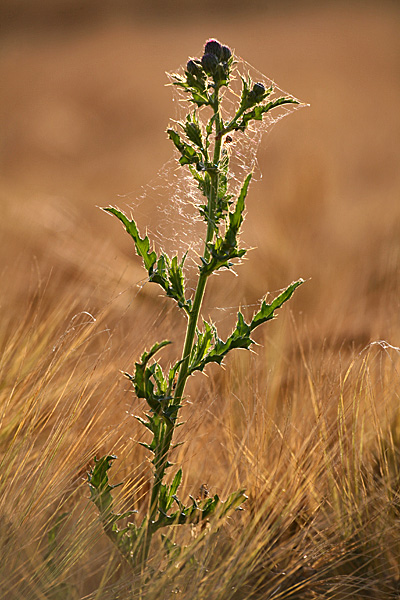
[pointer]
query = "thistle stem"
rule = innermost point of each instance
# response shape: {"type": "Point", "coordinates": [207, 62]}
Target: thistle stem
{"type": "Point", "coordinates": [161, 457]}
{"type": "Point", "coordinates": [201, 284]}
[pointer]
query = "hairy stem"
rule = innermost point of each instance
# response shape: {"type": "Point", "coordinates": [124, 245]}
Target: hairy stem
{"type": "Point", "coordinates": [161, 458]}
{"type": "Point", "coordinates": [201, 284]}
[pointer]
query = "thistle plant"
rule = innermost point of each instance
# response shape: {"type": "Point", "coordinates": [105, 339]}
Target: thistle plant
{"type": "Point", "coordinates": [202, 152]}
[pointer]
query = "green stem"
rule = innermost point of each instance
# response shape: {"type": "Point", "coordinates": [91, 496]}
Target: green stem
{"type": "Point", "coordinates": [201, 284]}
{"type": "Point", "coordinates": [161, 457]}
{"type": "Point", "coordinates": [231, 125]}
{"type": "Point", "coordinates": [160, 465]}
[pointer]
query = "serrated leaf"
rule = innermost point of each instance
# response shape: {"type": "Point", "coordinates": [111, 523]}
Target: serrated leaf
{"type": "Point", "coordinates": [196, 86]}
{"type": "Point", "coordinates": [142, 244]}
{"type": "Point", "coordinates": [171, 412]}
{"type": "Point", "coordinates": [177, 281]}
{"type": "Point", "coordinates": [257, 113]}
{"type": "Point", "coordinates": [193, 130]}
{"type": "Point", "coordinates": [146, 356]}
{"type": "Point", "coordinates": [223, 175]}
{"type": "Point", "coordinates": [236, 218]}
{"type": "Point", "coordinates": [167, 493]}
{"type": "Point", "coordinates": [234, 502]}
{"type": "Point", "coordinates": [147, 424]}
{"type": "Point", "coordinates": [199, 99]}
{"type": "Point", "coordinates": [142, 379]}
{"type": "Point", "coordinates": [240, 336]}
{"type": "Point", "coordinates": [100, 488]}
{"type": "Point", "coordinates": [189, 155]}
{"type": "Point", "coordinates": [159, 273]}
{"type": "Point", "coordinates": [199, 511]}
{"type": "Point", "coordinates": [205, 185]}
{"type": "Point", "coordinates": [266, 311]}
{"type": "Point", "coordinates": [145, 377]}
{"type": "Point", "coordinates": [169, 275]}
{"type": "Point", "coordinates": [176, 482]}
{"type": "Point", "coordinates": [147, 446]}
{"type": "Point", "coordinates": [202, 345]}
{"type": "Point", "coordinates": [224, 249]}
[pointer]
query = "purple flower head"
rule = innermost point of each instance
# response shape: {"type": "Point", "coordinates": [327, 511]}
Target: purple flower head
{"type": "Point", "coordinates": [213, 47]}
{"type": "Point", "coordinates": [258, 89]}
{"type": "Point", "coordinates": [226, 53]}
{"type": "Point", "coordinates": [209, 62]}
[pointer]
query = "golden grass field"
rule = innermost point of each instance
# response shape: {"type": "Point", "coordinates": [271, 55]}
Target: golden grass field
{"type": "Point", "coordinates": [309, 423]}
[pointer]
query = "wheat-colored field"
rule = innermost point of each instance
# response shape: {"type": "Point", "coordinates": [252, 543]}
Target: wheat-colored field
{"type": "Point", "coordinates": [309, 422]}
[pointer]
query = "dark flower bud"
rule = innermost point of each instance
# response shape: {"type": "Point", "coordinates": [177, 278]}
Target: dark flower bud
{"type": "Point", "coordinates": [194, 67]}
{"type": "Point", "coordinates": [251, 98]}
{"type": "Point", "coordinates": [258, 89]}
{"type": "Point", "coordinates": [226, 53]}
{"type": "Point", "coordinates": [209, 62]}
{"type": "Point", "coordinates": [213, 47]}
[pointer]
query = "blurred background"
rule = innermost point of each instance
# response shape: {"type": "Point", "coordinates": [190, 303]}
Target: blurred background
{"type": "Point", "coordinates": [83, 112]}
{"type": "Point", "coordinates": [84, 109]}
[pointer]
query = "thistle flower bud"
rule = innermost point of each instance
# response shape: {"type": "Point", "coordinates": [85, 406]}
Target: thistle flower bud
{"type": "Point", "coordinates": [209, 62]}
{"type": "Point", "coordinates": [194, 67]}
{"type": "Point", "coordinates": [258, 89]}
{"type": "Point", "coordinates": [213, 47]}
{"type": "Point", "coordinates": [226, 53]}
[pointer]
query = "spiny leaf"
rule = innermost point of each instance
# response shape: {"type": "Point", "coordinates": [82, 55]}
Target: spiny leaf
{"type": "Point", "coordinates": [205, 185]}
{"type": "Point", "coordinates": [196, 86]}
{"type": "Point", "coordinates": [167, 493]}
{"type": "Point", "coordinates": [257, 113]}
{"type": "Point", "coordinates": [144, 378]}
{"type": "Point", "coordinates": [176, 482]}
{"type": "Point", "coordinates": [142, 244]}
{"type": "Point", "coordinates": [203, 344]}
{"type": "Point", "coordinates": [146, 356]}
{"type": "Point", "coordinates": [177, 287]}
{"type": "Point", "coordinates": [236, 218]}
{"type": "Point", "coordinates": [169, 275]}
{"type": "Point", "coordinates": [223, 197]}
{"type": "Point", "coordinates": [234, 502]}
{"type": "Point", "coordinates": [240, 337]}
{"type": "Point", "coordinates": [199, 511]}
{"type": "Point", "coordinates": [100, 491]}
{"type": "Point", "coordinates": [189, 155]}
{"type": "Point", "coordinates": [128, 539]}
{"type": "Point", "coordinates": [224, 249]}
{"type": "Point", "coordinates": [266, 311]}
{"type": "Point", "coordinates": [193, 130]}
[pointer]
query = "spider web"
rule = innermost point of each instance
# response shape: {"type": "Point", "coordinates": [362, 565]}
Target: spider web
{"type": "Point", "coordinates": [167, 208]}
